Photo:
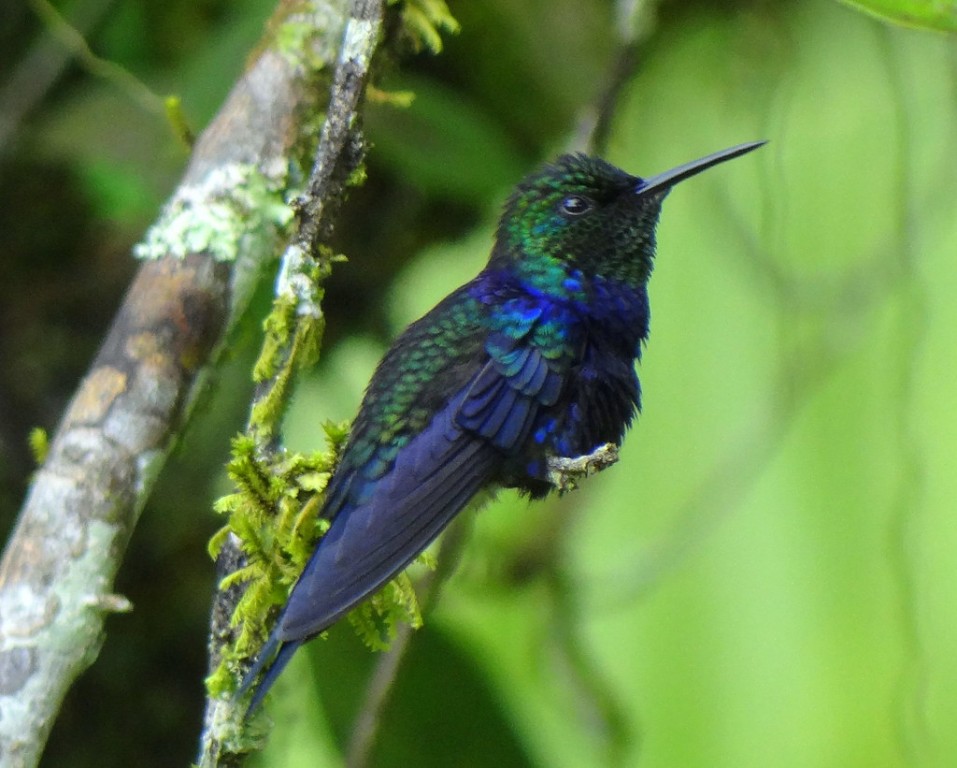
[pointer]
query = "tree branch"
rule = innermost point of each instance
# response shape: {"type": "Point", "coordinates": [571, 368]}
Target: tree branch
{"type": "Point", "coordinates": [305, 262]}
{"type": "Point", "coordinates": [204, 257]}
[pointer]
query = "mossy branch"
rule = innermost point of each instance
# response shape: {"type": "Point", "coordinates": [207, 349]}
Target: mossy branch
{"type": "Point", "coordinates": [201, 262]}
{"type": "Point", "coordinates": [273, 515]}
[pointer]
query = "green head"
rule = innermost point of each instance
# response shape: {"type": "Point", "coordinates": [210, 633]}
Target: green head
{"type": "Point", "coordinates": [581, 215]}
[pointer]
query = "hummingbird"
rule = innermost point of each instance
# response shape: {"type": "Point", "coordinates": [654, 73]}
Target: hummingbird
{"type": "Point", "coordinates": [533, 358]}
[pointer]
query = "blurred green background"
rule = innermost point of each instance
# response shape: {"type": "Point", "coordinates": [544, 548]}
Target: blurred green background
{"type": "Point", "coordinates": [767, 578]}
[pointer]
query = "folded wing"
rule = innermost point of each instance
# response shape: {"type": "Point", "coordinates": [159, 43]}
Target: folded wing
{"type": "Point", "coordinates": [388, 509]}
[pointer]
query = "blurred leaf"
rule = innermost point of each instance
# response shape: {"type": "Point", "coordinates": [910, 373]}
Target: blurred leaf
{"type": "Point", "coordinates": [140, 147]}
{"type": "Point", "coordinates": [442, 143]}
{"type": "Point", "coordinates": [450, 707]}
{"type": "Point", "coordinates": [140, 150]}
{"type": "Point", "coordinates": [533, 64]}
{"type": "Point", "coordinates": [940, 15]}
{"type": "Point", "coordinates": [119, 193]}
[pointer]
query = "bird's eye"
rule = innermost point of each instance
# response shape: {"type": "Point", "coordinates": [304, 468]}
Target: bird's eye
{"type": "Point", "coordinates": [575, 205]}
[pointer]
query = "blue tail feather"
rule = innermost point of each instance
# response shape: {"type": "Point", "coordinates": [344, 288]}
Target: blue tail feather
{"type": "Point", "coordinates": [273, 658]}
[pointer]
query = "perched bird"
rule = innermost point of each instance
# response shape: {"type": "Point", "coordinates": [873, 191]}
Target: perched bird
{"type": "Point", "coordinates": [533, 358]}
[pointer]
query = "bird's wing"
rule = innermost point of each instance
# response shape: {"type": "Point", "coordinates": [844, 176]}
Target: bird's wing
{"type": "Point", "coordinates": [390, 508]}
{"type": "Point", "coordinates": [411, 465]}
{"type": "Point", "coordinates": [503, 401]}
{"type": "Point", "coordinates": [398, 514]}
{"type": "Point", "coordinates": [432, 478]}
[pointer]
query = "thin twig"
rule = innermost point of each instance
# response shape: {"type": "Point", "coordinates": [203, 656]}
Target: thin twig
{"type": "Point", "coordinates": [41, 67]}
{"type": "Point", "coordinates": [73, 41]}
{"type": "Point", "coordinates": [339, 154]}
{"type": "Point", "coordinates": [365, 728]}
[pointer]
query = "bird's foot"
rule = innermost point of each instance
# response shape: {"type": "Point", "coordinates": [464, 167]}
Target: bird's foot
{"type": "Point", "coordinates": [565, 473]}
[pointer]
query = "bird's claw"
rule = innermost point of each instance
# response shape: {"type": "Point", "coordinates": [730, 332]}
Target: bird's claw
{"type": "Point", "coordinates": [565, 473]}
